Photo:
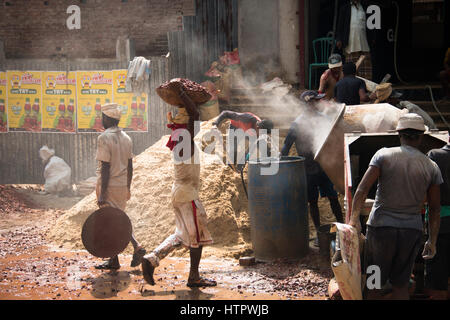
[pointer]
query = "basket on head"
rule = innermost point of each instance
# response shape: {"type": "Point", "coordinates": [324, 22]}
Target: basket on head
{"type": "Point", "coordinates": [195, 91]}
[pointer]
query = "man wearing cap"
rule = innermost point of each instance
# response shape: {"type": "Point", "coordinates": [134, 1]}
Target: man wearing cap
{"type": "Point", "coordinates": [331, 76]}
{"type": "Point", "coordinates": [244, 121]}
{"type": "Point", "coordinates": [317, 180]}
{"type": "Point", "coordinates": [115, 173]}
{"type": "Point", "coordinates": [250, 124]}
{"type": "Point", "coordinates": [394, 230]}
{"type": "Point", "coordinates": [351, 90]}
{"type": "Point", "coordinates": [437, 270]}
{"type": "Point", "coordinates": [385, 93]}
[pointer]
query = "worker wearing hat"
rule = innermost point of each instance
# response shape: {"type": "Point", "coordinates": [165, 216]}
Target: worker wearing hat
{"type": "Point", "coordinates": [331, 76]}
{"type": "Point", "coordinates": [191, 226]}
{"type": "Point", "coordinates": [57, 173]}
{"type": "Point", "coordinates": [385, 93]}
{"type": "Point", "coordinates": [317, 180]}
{"type": "Point", "coordinates": [405, 177]}
{"type": "Point", "coordinates": [115, 173]}
{"type": "Point", "coordinates": [251, 124]}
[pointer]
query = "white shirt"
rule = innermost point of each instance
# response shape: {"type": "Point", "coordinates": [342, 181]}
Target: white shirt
{"type": "Point", "coordinates": [357, 40]}
{"type": "Point", "coordinates": [114, 146]}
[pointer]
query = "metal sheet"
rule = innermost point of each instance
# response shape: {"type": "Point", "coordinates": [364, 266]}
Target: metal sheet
{"type": "Point", "coordinates": [19, 157]}
{"type": "Point", "coordinates": [206, 36]}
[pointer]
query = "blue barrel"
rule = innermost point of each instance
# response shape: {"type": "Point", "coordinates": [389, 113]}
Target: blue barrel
{"type": "Point", "coordinates": [279, 210]}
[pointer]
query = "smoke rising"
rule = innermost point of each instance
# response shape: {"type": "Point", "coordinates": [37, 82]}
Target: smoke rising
{"type": "Point", "coordinates": [285, 108]}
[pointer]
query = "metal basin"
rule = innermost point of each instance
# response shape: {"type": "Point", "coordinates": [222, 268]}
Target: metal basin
{"type": "Point", "coordinates": [371, 118]}
{"type": "Point", "coordinates": [106, 232]}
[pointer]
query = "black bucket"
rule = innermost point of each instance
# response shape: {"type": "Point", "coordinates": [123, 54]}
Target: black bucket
{"type": "Point", "coordinates": [326, 237]}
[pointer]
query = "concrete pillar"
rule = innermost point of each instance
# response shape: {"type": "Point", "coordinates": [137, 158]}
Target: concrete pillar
{"type": "Point", "coordinates": [289, 30]}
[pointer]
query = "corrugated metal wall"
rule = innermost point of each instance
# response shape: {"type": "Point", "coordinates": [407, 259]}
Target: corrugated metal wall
{"type": "Point", "coordinates": [204, 38]}
{"type": "Point", "coordinates": [19, 151]}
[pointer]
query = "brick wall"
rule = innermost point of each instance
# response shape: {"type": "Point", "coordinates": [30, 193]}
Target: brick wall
{"type": "Point", "coordinates": [37, 28]}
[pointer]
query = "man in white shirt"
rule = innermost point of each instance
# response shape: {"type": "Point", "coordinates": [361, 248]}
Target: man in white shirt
{"type": "Point", "coordinates": [352, 37]}
{"type": "Point", "coordinates": [114, 174]}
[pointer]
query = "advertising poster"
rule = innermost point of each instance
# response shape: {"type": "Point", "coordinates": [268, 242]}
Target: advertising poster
{"type": "Point", "coordinates": [94, 88]}
{"type": "Point", "coordinates": [134, 108]}
{"type": "Point", "coordinates": [3, 113]}
{"type": "Point", "coordinates": [24, 101]}
{"type": "Point", "coordinates": [58, 106]}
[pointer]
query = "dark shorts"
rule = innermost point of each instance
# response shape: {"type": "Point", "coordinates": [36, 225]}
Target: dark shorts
{"type": "Point", "coordinates": [319, 182]}
{"type": "Point", "coordinates": [394, 251]}
{"type": "Point", "coordinates": [437, 270]}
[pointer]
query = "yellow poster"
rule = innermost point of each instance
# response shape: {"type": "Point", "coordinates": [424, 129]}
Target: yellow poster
{"type": "Point", "coordinates": [94, 88]}
{"type": "Point", "coordinates": [3, 113]}
{"type": "Point", "coordinates": [58, 95]}
{"type": "Point", "coordinates": [24, 100]}
{"type": "Point", "coordinates": [134, 108]}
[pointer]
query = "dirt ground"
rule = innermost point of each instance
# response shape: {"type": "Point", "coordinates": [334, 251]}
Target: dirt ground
{"type": "Point", "coordinates": [33, 268]}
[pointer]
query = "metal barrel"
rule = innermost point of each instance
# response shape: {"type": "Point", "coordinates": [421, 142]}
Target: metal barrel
{"type": "Point", "coordinates": [279, 210]}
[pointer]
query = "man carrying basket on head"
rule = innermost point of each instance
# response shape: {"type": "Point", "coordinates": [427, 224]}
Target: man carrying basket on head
{"type": "Point", "coordinates": [190, 216]}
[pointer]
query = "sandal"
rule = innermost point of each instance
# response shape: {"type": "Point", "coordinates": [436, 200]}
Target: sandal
{"type": "Point", "coordinates": [202, 282]}
{"type": "Point", "coordinates": [147, 271]}
{"type": "Point", "coordinates": [137, 257]}
{"type": "Point", "coordinates": [108, 265]}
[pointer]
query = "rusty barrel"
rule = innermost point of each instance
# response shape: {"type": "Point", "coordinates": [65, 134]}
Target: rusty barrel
{"type": "Point", "coordinates": [278, 208]}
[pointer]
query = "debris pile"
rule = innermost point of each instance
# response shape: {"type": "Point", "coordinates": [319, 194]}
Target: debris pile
{"type": "Point", "coordinates": [11, 201]}
{"type": "Point", "coordinates": [308, 277]}
{"type": "Point", "coordinates": [307, 283]}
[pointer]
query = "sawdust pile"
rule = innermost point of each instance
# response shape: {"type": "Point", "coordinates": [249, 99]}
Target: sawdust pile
{"type": "Point", "coordinates": [150, 208]}
{"type": "Point", "coordinates": [150, 211]}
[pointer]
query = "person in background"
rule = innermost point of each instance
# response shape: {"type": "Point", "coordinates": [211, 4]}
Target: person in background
{"type": "Point", "coordinates": [352, 36]}
{"type": "Point", "coordinates": [394, 230]}
{"type": "Point", "coordinates": [114, 174]}
{"type": "Point", "coordinates": [445, 76]}
{"type": "Point", "coordinates": [331, 76]}
{"type": "Point", "coordinates": [57, 173]}
{"type": "Point", "coordinates": [250, 124]}
{"type": "Point", "coordinates": [190, 216]}
{"type": "Point", "coordinates": [351, 90]}
{"type": "Point", "coordinates": [244, 121]}
{"type": "Point", "coordinates": [317, 180]}
{"type": "Point", "coordinates": [384, 93]}
{"type": "Point", "coordinates": [437, 270]}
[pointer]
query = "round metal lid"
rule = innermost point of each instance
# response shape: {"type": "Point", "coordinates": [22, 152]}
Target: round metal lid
{"type": "Point", "coordinates": [106, 232]}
